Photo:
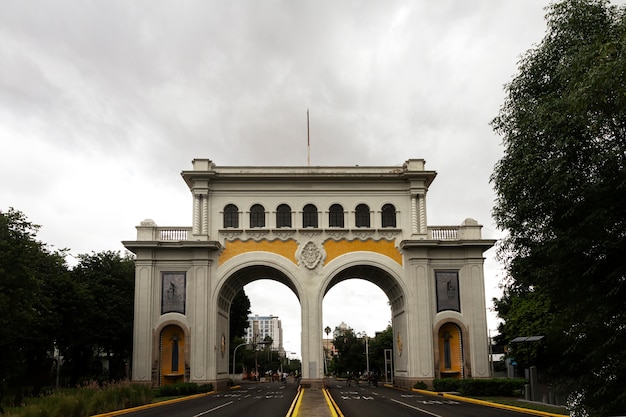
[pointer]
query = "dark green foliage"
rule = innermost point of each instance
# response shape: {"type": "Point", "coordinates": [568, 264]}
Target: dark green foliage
{"type": "Point", "coordinates": [420, 385]}
{"type": "Point", "coordinates": [86, 401]}
{"type": "Point", "coordinates": [239, 312]}
{"type": "Point", "coordinates": [29, 318]}
{"type": "Point", "coordinates": [496, 387]}
{"type": "Point", "coordinates": [446, 384]}
{"type": "Point", "coordinates": [492, 387]}
{"type": "Point", "coordinates": [183, 388]}
{"type": "Point", "coordinates": [561, 196]}
{"type": "Point", "coordinates": [238, 323]}
{"type": "Point", "coordinates": [86, 313]}
{"type": "Point", "coordinates": [383, 340]}
{"type": "Point", "coordinates": [104, 287]}
{"type": "Point", "coordinates": [350, 353]}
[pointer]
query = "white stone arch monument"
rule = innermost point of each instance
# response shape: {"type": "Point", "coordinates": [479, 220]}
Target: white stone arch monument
{"type": "Point", "coordinates": [186, 277]}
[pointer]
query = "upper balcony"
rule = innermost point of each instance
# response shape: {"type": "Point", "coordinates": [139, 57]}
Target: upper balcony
{"type": "Point", "coordinates": [149, 231]}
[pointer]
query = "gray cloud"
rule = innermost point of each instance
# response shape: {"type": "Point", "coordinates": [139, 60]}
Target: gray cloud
{"type": "Point", "coordinates": [103, 103]}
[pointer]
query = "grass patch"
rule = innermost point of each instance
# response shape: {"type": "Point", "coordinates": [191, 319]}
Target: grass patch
{"type": "Point", "coordinates": [525, 404]}
{"type": "Point", "coordinates": [85, 401]}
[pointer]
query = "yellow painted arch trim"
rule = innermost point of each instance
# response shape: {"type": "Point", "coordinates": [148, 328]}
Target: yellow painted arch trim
{"type": "Point", "coordinates": [336, 248]}
{"type": "Point", "coordinates": [285, 248]}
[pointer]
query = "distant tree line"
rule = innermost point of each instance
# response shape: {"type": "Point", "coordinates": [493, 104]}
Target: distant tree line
{"type": "Point", "coordinates": [65, 326]}
{"type": "Point", "coordinates": [355, 350]}
{"type": "Point", "coordinates": [82, 315]}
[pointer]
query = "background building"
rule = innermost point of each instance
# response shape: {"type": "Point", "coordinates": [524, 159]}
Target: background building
{"type": "Point", "coordinates": [260, 327]}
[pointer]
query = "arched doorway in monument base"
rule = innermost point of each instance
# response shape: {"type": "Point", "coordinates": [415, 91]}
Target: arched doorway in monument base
{"type": "Point", "coordinates": [449, 351]}
{"type": "Point", "coordinates": [172, 353]}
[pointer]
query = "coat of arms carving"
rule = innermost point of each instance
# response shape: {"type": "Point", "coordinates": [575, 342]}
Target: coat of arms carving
{"type": "Point", "coordinates": [310, 255]}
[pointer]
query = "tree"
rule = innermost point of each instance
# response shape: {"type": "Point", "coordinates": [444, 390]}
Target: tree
{"type": "Point", "coordinates": [238, 322]}
{"type": "Point", "coordinates": [350, 352]}
{"type": "Point", "coordinates": [327, 330]}
{"type": "Point", "coordinates": [383, 340]}
{"type": "Point", "coordinates": [29, 321]}
{"type": "Point", "coordinates": [561, 194]}
{"type": "Point", "coordinates": [105, 287]}
{"type": "Point", "coordinates": [527, 313]}
{"type": "Point", "coordinates": [239, 312]}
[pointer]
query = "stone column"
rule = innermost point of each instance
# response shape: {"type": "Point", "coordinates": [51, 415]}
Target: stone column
{"type": "Point", "coordinates": [479, 348]}
{"type": "Point", "coordinates": [423, 229]}
{"type": "Point", "coordinates": [414, 214]}
{"type": "Point", "coordinates": [205, 215]}
{"type": "Point", "coordinates": [425, 360]}
{"type": "Point", "coordinates": [142, 330]}
{"type": "Point", "coordinates": [197, 219]}
{"type": "Point", "coordinates": [198, 301]}
{"type": "Point", "coordinates": [312, 349]}
{"type": "Point", "coordinates": [200, 213]}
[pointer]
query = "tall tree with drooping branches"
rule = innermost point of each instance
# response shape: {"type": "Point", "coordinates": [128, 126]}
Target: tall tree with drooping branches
{"type": "Point", "coordinates": [561, 195]}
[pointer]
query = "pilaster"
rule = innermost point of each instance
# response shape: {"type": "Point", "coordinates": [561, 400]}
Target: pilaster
{"type": "Point", "coordinates": [142, 330]}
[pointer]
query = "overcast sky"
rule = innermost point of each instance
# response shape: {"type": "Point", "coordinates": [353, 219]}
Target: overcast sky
{"type": "Point", "coordinates": [104, 103]}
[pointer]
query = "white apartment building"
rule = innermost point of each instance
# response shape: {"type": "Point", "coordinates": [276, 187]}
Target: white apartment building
{"type": "Point", "coordinates": [260, 327]}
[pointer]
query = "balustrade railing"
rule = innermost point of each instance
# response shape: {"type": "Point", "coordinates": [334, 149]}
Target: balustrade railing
{"type": "Point", "coordinates": [173, 233]}
{"type": "Point", "coordinates": [182, 233]}
{"type": "Point", "coordinates": [443, 233]}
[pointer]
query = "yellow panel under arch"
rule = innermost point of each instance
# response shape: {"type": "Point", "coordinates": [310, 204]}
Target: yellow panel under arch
{"type": "Point", "coordinates": [172, 348]}
{"type": "Point", "coordinates": [285, 248]}
{"type": "Point", "coordinates": [336, 248]}
{"type": "Point", "coordinates": [450, 345]}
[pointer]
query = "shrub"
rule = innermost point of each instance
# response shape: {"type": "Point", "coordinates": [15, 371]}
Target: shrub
{"type": "Point", "coordinates": [420, 385]}
{"type": "Point", "coordinates": [495, 387]}
{"type": "Point", "coordinates": [183, 388]}
{"type": "Point", "coordinates": [87, 400]}
{"type": "Point", "coordinates": [447, 384]}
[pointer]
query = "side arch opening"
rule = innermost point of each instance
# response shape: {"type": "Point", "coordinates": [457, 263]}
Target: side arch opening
{"type": "Point", "coordinates": [381, 349]}
{"type": "Point", "coordinates": [270, 287]}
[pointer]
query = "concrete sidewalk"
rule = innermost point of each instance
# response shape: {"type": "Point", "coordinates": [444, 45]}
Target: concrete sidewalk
{"type": "Point", "coordinates": [313, 403]}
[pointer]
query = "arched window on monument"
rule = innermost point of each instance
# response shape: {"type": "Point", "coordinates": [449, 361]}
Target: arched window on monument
{"type": "Point", "coordinates": [388, 216]}
{"type": "Point", "coordinates": [283, 216]}
{"type": "Point", "coordinates": [362, 216]}
{"type": "Point", "coordinates": [335, 216]}
{"type": "Point", "coordinates": [231, 216]}
{"type": "Point", "coordinates": [257, 216]}
{"type": "Point", "coordinates": [309, 216]}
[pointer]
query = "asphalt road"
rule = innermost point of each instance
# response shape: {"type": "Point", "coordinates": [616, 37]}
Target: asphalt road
{"type": "Point", "coordinates": [367, 401]}
{"type": "Point", "coordinates": [252, 399]}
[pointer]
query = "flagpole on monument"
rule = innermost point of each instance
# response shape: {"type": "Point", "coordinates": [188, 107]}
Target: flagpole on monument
{"type": "Point", "coordinates": [308, 140]}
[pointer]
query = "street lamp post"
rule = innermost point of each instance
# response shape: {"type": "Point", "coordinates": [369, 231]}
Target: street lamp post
{"type": "Point", "coordinates": [367, 354]}
{"type": "Point", "coordinates": [235, 355]}
{"type": "Point", "coordinates": [367, 351]}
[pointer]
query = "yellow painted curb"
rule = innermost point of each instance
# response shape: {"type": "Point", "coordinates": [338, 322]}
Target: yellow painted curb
{"type": "Point", "coordinates": [145, 407]}
{"type": "Point", "coordinates": [489, 404]}
{"type": "Point", "coordinates": [295, 404]}
{"type": "Point", "coordinates": [332, 405]}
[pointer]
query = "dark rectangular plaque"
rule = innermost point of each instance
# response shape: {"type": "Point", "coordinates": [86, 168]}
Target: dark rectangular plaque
{"type": "Point", "coordinates": [173, 292]}
{"type": "Point", "coordinates": [447, 290]}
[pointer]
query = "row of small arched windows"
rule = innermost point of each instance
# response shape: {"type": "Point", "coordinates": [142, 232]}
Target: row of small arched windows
{"type": "Point", "coordinates": [309, 216]}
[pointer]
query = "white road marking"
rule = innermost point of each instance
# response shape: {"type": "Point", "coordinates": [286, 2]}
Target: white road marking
{"type": "Point", "coordinates": [415, 408]}
{"type": "Point", "coordinates": [213, 409]}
